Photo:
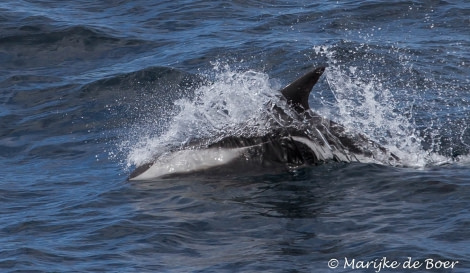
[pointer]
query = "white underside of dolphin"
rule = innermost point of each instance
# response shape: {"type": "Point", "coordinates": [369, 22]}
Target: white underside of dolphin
{"type": "Point", "coordinates": [187, 161]}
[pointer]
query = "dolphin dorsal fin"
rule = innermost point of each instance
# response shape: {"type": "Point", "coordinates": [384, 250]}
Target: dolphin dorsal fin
{"type": "Point", "coordinates": [298, 91]}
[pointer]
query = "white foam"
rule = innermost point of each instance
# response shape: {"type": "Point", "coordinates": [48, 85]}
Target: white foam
{"type": "Point", "coordinates": [367, 106]}
{"type": "Point", "coordinates": [231, 104]}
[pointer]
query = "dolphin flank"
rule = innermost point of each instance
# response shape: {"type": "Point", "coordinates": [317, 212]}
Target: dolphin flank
{"type": "Point", "coordinates": [299, 137]}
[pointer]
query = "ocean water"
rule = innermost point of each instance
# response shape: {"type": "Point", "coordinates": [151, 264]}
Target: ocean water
{"type": "Point", "coordinates": [90, 89]}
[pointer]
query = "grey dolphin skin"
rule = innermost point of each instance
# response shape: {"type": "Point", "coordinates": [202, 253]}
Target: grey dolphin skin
{"type": "Point", "coordinates": [299, 137]}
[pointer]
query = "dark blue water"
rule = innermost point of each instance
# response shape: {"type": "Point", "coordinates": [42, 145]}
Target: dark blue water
{"type": "Point", "coordinates": [90, 89]}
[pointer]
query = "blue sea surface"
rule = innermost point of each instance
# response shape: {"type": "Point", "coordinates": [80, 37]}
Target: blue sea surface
{"type": "Point", "coordinates": [91, 89]}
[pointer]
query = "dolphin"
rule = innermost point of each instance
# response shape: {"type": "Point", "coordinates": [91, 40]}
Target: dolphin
{"type": "Point", "coordinates": [299, 137]}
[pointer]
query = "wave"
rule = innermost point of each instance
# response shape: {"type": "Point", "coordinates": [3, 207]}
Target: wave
{"type": "Point", "coordinates": [60, 119]}
{"type": "Point", "coordinates": [34, 46]}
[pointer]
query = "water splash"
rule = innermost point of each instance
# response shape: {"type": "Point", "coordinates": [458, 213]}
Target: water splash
{"type": "Point", "coordinates": [363, 99]}
{"type": "Point", "coordinates": [364, 104]}
{"type": "Point", "coordinates": [230, 104]}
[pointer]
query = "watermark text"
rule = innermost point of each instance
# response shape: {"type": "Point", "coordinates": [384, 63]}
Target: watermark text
{"type": "Point", "coordinates": [385, 263]}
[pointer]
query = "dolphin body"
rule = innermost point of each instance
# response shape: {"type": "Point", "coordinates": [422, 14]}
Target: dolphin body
{"type": "Point", "coordinates": [299, 137]}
